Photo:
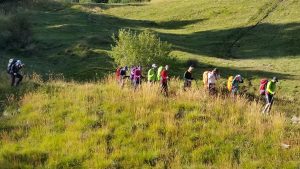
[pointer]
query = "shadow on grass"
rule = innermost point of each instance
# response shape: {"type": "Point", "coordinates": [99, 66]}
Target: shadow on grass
{"type": "Point", "coordinates": [69, 42]}
{"type": "Point", "coordinates": [180, 66]}
{"type": "Point", "coordinates": [264, 41]}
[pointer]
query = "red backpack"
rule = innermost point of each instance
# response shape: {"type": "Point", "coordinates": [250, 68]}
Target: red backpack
{"type": "Point", "coordinates": [118, 71]}
{"type": "Point", "coordinates": [263, 86]}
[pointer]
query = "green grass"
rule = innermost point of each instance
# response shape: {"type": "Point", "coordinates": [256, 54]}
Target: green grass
{"type": "Point", "coordinates": [77, 123]}
{"type": "Point", "coordinates": [98, 125]}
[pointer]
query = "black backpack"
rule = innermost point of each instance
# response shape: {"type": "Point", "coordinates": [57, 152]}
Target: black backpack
{"type": "Point", "coordinates": [10, 65]}
{"type": "Point", "coordinates": [123, 72]}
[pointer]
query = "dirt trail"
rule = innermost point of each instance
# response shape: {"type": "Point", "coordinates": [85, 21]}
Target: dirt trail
{"type": "Point", "coordinates": [263, 13]}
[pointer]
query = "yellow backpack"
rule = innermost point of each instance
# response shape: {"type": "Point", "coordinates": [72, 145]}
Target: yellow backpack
{"type": "Point", "coordinates": [205, 78]}
{"type": "Point", "coordinates": [229, 83]}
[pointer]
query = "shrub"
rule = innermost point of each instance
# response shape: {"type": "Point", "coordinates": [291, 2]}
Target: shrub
{"type": "Point", "coordinates": [143, 48]}
{"type": "Point", "coordinates": [17, 33]}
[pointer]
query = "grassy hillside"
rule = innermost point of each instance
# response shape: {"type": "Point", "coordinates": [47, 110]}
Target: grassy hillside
{"type": "Point", "coordinates": [254, 38]}
{"type": "Point", "coordinates": [98, 125]}
{"type": "Point", "coordinates": [79, 122]}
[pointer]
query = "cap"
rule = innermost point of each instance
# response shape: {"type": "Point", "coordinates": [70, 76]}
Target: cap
{"type": "Point", "coordinates": [275, 79]}
{"type": "Point", "coordinates": [154, 66]}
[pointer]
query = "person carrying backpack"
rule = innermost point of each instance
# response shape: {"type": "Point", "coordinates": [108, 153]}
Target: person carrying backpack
{"type": "Point", "coordinates": [164, 80]}
{"type": "Point", "coordinates": [159, 70]}
{"type": "Point", "coordinates": [270, 92]}
{"type": "Point", "coordinates": [213, 76]}
{"type": "Point", "coordinates": [137, 76]}
{"type": "Point", "coordinates": [123, 72]}
{"type": "Point", "coordinates": [152, 74]}
{"type": "Point", "coordinates": [188, 78]}
{"type": "Point", "coordinates": [235, 84]}
{"type": "Point", "coordinates": [13, 68]}
{"type": "Point", "coordinates": [132, 70]}
{"type": "Point", "coordinates": [118, 74]}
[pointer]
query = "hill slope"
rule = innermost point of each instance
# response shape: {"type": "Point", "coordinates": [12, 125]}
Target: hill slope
{"type": "Point", "coordinates": [69, 125]}
{"type": "Point", "coordinates": [56, 124]}
{"type": "Point", "coordinates": [253, 38]}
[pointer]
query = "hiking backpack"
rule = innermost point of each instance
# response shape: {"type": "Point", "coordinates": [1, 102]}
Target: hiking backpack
{"type": "Point", "coordinates": [205, 78]}
{"type": "Point", "coordinates": [123, 72]}
{"type": "Point", "coordinates": [10, 64]}
{"type": "Point", "coordinates": [118, 71]}
{"type": "Point", "coordinates": [229, 83]}
{"type": "Point", "coordinates": [263, 86]}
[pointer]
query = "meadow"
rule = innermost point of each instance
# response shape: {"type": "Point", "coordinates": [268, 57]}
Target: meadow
{"type": "Point", "coordinates": [100, 125]}
{"type": "Point", "coordinates": [70, 113]}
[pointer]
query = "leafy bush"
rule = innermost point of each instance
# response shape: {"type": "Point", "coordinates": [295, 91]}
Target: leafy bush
{"type": "Point", "coordinates": [143, 48]}
{"type": "Point", "coordinates": [17, 33]}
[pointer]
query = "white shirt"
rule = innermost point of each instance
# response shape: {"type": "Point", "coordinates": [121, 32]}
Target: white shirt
{"type": "Point", "coordinates": [212, 78]}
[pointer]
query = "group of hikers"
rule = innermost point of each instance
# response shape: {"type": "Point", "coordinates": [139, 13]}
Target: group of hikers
{"type": "Point", "coordinates": [160, 75]}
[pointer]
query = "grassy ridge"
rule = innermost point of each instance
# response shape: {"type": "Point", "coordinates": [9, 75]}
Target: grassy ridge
{"type": "Point", "coordinates": [98, 125]}
{"type": "Point", "coordinates": [74, 39]}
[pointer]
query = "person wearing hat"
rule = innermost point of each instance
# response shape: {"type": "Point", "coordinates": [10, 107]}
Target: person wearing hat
{"type": "Point", "coordinates": [270, 92]}
{"type": "Point", "coordinates": [188, 78]}
{"type": "Point", "coordinates": [235, 84]}
{"type": "Point", "coordinates": [152, 74]}
{"type": "Point", "coordinates": [14, 73]}
{"type": "Point", "coordinates": [164, 76]}
{"type": "Point", "coordinates": [213, 76]}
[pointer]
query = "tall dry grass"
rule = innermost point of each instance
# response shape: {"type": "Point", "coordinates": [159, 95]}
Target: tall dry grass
{"type": "Point", "coordinates": [101, 125]}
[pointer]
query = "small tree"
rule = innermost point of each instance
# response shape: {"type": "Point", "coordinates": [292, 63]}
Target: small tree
{"type": "Point", "coordinates": [145, 48]}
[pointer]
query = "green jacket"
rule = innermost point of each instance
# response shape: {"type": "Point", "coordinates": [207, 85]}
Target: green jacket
{"type": "Point", "coordinates": [159, 72]}
{"type": "Point", "coordinates": [151, 75]}
{"type": "Point", "coordinates": [271, 86]}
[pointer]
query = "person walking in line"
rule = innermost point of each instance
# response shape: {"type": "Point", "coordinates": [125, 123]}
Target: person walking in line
{"type": "Point", "coordinates": [123, 72]}
{"type": "Point", "coordinates": [188, 78]}
{"type": "Point", "coordinates": [270, 92]}
{"type": "Point", "coordinates": [235, 84]}
{"type": "Point", "coordinates": [159, 70]}
{"type": "Point", "coordinates": [164, 80]}
{"type": "Point", "coordinates": [213, 76]}
{"type": "Point", "coordinates": [137, 77]}
{"type": "Point", "coordinates": [118, 74]}
{"type": "Point", "coordinates": [152, 74]}
{"type": "Point", "coordinates": [132, 71]}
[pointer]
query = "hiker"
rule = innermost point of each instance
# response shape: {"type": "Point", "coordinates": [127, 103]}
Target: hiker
{"type": "Point", "coordinates": [212, 77]}
{"type": "Point", "coordinates": [137, 76]}
{"type": "Point", "coordinates": [152, 74]}
{"type": "Point", "coordinates": [13, 68]}
{"type": "Point", "coordinates": [132, 71]}
{"type": "Point", "coordinates": [159, 70]}
{"type": "Point", "coordinates": [188, 78]}
{"type": "Point", "coordinates": [235, 84]}
{"type": "Point", "coordinates": [118, 73]}
{"type": "Point", "coordinates": [270, 92]}
{"type": "Point", "coordinates": [164, 80]}
{"type": "Point", "coordinates": [123, 72]}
